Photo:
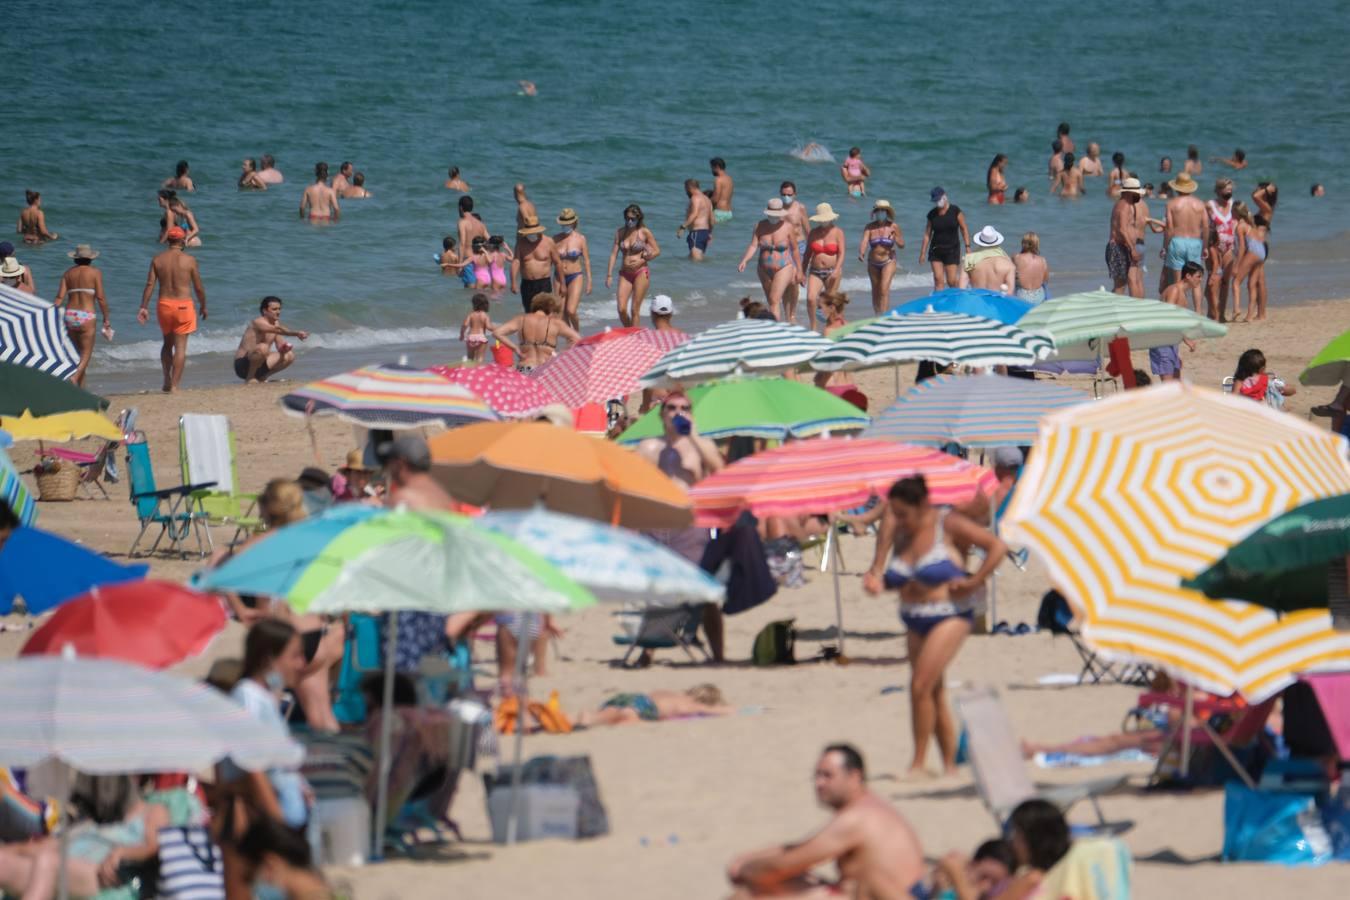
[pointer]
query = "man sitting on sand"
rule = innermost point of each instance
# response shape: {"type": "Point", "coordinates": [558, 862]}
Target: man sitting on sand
{"type": "Point", "coordinates": [876, 850]}
{"type": "Point", "coordinates": [262, 352]}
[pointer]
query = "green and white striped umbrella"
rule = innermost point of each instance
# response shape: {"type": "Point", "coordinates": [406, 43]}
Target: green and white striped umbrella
{"type": "Point", "coordinates": [1081, 325]}
{"type": "Point", "coordinates": [739, 347]}
{"type": "Point", "coordinates": [946, 338]}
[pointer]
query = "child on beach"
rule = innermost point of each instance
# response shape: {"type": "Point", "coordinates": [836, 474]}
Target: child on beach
{"type": "Point", "coordinates": [451, 263]}
{"type": "Point", "coordinates": [1250, 240]}
{"type": "Point", "coordinates": [1165, 362]}
{"type": "Point", "coordinates": [477, 328]}
{"type": "Point", "coordinates": [855, 173]}
{"type": "Point", "coordinates": [1251, 380]}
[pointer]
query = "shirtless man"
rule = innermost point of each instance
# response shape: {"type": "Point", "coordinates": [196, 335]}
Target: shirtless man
{"type": "Point", "coordinates": [1122, 257]}
{"type": "Point", "coordinates": [357, 189]}
{"type": "Point", "coordinates": [178, 277]}
{"type": "Point", "coordinates": [1090, 166]}
{"type": "Point", "coordinates": [1062, 135]}
{"type": "Point", "coordinates": [262, 352]}
{"type": "Point", "coordinates": [319, 200]}
{"type": "Point", "coordinates": [535, 259]}
{"type": "Point", "coordinates": [268, 171]}
{"type": "Point", "coordinates": [525, 210]}
{"type": "Point", "coordinates": [988, 265]}
{"type": "Point", "coordinates": [470, 226]}
{"type": "Point", "coordinates": [407, 468]}
{"type": "Point", "coordinates": [1193, 164]}
{"type": "Point", "coordinates": [181, 180]}
{"type": "Point", "coordinates": [1185, 233]}
{"type": "Point", "coordinates": [454, 183]}
{"type": "Point", "coordinates": [723, 188]}
{"type": "Point", "coordinates": [1056, 164]}
{"type": "Point", "coordinates": [343, 179]}
{"type": "Point", "coordinates": [875, 848]}
{"type": "Point", "coordinates": [1069, 183]}
{"type": "Point", "coordinates": [1238, 160]}
{"type": "Point", "coordinates": [698, 220]}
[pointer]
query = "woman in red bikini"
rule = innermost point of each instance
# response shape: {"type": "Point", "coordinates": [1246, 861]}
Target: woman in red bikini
{"type": "Point", "coordinates": [996, 181]}
{"type": "Point", "coordinates": [823, 266]}
{"type": "Point", "coordinates": [638, 246]}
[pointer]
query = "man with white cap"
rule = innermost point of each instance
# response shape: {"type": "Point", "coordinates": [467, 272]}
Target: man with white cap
{"type": "Point", "coordinates": [663, 310]}
{"type": "Point", "coordinates": [987, 266]}
{"type": "Point", "coordinates": [1122, 256]}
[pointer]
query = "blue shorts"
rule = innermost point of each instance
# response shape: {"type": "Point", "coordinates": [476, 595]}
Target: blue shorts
{"type": "Point", "coordinates": [466, 275]}
{"type": "Point", "coordinates": [697, 239]}
{"type": "Point", "coordinates": [1164, 360]}
{"type": "Point", "coordinates": [1181, 250]}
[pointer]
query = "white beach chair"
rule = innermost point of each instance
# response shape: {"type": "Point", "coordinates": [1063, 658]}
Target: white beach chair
{"type": "Point", "coordinates": [206, 454]}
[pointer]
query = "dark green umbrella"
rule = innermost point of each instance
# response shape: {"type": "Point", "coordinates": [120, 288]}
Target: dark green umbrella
{"type": "Point", "coordinates": [1287, 563]}
{"type": "Point", "coordinates": [22, 388]}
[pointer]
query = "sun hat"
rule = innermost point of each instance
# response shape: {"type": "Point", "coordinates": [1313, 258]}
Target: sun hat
{"type": "Point", "coordinates": [989, 237]}
{"type": "Point", "coordinates": [775, 209]}
{"type": "Point", "coordinates": [83, 251]}
{"type": "Point", "coordinates": [175, 233]}
{"type": "Point", "coordinates": [936, 194]}
{"type": "Point", "coordinates": [568, 216]}
{"type": "Point", "coordinates": [1132, 186]}
{"type": "Point", "coordinates": [824, 213]}
{"type": "Point", "coordinates": [531, 226]}
{"type": "Point", "coordinates": [663, 305]}
{"type": "Point", "coordinates": [10, 268]}
{"type": "Point", "coordinates": [1184, 184]}
{"type": "Point", "coordinates": [884, 206]}
{"type": "Point", "coordinates": [356, 462]}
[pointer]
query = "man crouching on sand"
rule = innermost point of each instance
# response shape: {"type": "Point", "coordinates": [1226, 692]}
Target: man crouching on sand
{"type": "Point", "coordinates": [262, 352]}
{"type": "Point", "coordinates": [877, 852]}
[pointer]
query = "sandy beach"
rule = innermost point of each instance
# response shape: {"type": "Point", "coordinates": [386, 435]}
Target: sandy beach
{"type": "Point", "coordinates": [684, 797]}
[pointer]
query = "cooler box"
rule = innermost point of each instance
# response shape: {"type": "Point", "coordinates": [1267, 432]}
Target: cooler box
{"type": "Point", "coordinates": [546, 810]}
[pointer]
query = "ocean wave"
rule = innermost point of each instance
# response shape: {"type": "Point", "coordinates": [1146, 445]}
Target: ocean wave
{"type": "Point", "coordinates": [228, 341]}
{"type": "Point", "coordinates": [901, 281]}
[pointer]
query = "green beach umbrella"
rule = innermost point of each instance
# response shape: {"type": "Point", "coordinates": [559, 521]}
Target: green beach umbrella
{"type": "Point", "coordinates": [1331, 365]}
{"type": "Point", "coordinates": [1081, 325]}
{"type": "Point", "coordinates": [22, 388]}
{"type": "Point", "coordinates": [1285, 564]}
{"type": "Point", "coordinates": [772, 408]}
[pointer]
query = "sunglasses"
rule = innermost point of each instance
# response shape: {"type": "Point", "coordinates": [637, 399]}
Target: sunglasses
{"type": "Point", "coordinates": [670, 408]}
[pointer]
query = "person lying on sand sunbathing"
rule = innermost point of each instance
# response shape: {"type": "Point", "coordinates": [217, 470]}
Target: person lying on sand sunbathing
{"type": "Point", "coordinates": [625, 709]}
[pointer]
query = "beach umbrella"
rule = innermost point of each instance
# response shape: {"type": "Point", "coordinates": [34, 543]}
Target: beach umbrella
{"type": "Point", "coordinates": [32, 335]}
{"type": "Point", "coordinates": [30, 390]}
{"type": "Point", "coordinates": [1127, 497]}
{"type": "Point", "coordinates": [968, 302]}
{"type": "Point", "coordinates": [46, 570]}
{"type": "Point", "coordinates": [389, 396]}
{"type": "Point", "coordinates": [61, 427]}
{"type": "Point", "coordinates": [516, 465]}
{"type": "Point", "coordinates": [12, 489]}
{"type": "Point", "coordinates": [772, 408]}
{"type": "Point", "coordinates": [510, 393]}
{"type": "Point", "coordinates": [605, 366]}
{"type": "Point", "coordinates": [1331, 365]}
{"type": "Point", "coordinates": [827, 475]}
{"type": "Point", "coordinates": [945, 338]}
{"type": "Point", "coordinates": [972, 410]}
{"type": "Point", "coordinates": [1081, 325]}
{"type": "Point", "coordinates": [156, 624]}
{"type": "Point", "coordinates": [1289, 562]}
{"type": "Point", "coordinates": [739, 347]}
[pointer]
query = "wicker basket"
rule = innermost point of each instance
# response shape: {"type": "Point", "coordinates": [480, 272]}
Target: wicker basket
{"type": "Point", "coordinates": [60, 483]}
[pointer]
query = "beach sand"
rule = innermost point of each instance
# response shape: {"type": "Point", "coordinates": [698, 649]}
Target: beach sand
{"type": "Point", "coordinates": [684, 797]}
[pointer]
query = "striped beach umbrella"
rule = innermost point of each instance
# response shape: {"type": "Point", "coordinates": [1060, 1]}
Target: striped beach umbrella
{"type": "Point", "coordinates": [605, 366]}
{"type": "Point", "coordinates": [12, 489]}
{"type": "Point", "coordinates": [972, 410]}
{"type": "Point", "coordinates": [1127, 497]}
{"type": "Point", "coordinates": [511, 394]}
{"type": "Point", "coordinates": [739, 347]}
{"type": "Point", "coordinates": [389, 397]}
{"type": "Point", "coordinates": [946, 338]}
{"type": "Point", "coordinates": [772, 408]}
{"type": "Point", "coordinates": [1081, 325]}
{"type": "Point", "coordinates": [33, 335]}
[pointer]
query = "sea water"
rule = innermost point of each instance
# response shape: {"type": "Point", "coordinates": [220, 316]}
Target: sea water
{"type": "Point", "coordinates": [632, 99]}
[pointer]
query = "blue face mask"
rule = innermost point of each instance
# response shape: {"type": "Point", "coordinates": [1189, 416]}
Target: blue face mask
{"type": "Point", "coordinates": [275, 683]}
{"type": "Point", "coordinates": [532, 238]}
{"type": "Point", "coordinates": [567, 229]}
{"type": "Point", "coordinates": [631, 223]}
{"type": "Point", "coordinates": [787, 199]}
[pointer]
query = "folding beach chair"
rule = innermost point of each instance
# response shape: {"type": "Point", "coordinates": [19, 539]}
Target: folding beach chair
{"type": "Point", "coordinates": [167, 508]}
{"type": "Point", "coordinates": [664, 628]}
{"type": "Point", "coordinates": [101, 466]}
{"type": "Point", "coordinates": [206, 453]}
{"type": "Point", "coordinates": [1056, 617]}
{"type": "Point", "coordinates": [1000, 771]}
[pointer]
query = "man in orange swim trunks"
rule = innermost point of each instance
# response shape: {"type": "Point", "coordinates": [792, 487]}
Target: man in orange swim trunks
{"type": "Point", "coordinates": [178, 277]}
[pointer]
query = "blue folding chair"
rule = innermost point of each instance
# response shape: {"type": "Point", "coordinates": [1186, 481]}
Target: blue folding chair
{"type": "Point", "coordinates": [168, 508]}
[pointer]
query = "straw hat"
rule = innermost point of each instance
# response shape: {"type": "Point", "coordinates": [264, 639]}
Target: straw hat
{"type": "Point", "coordinates": [884, 206]}
{"type": "Point", "coordinates": [10, 268]}
{"type": "Point", "coordinates": [988, 237]}
{"type": "Point", "coordinates": [531, 226]}
{"type": "Point", "coordinates": [824, 213]}
{"type": "Point", "coordinates": [1184, 184]}
{"type": "Point", "coordinates": [775, 209]}
{"type": "Point", "coordinates": [1132, 186]}
{"type": "Point", "coordinates": [568, 216]}
{"type": "Point", "coordinates": [83, 251]}
{"type": "Point", "coordinates": [356, 462]}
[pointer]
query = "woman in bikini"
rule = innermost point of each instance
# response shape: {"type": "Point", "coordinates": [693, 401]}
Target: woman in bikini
{"type": "Point", "coordinates": [82, 287]}
{"type": "Point", "coordinates": [996, 181]}
{"type": "Point", "coordinates": [176, 212]}
{"type": "Point", "coordinates": [775, 240]}
{"type": "Point", "coordinates": [938, 599]}
{"type": "Point", "coordinates": [1250, 241]}
{"type": "Point", "coordinates": [881, 238]}
{"type": "Point", "coordinates": [539, 331]}
{"type": "Point", "coordinates": [575, 254]}
{"type": "Point", "coordinates": [1219, 255]}
{"type": "Point", "coordinates": [638, 246]}
{"type": "Point", "coordinates": [33, 221]}
{"type": "Point", "coordinates": [823, 266]}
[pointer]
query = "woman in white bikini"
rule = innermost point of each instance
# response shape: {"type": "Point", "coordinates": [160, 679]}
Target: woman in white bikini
{"type": "Point", "coordinates": [82, 287]}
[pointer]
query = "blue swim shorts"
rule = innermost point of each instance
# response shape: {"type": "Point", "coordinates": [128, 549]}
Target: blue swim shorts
{"type": "Point", "coordinates": [1181, 250]}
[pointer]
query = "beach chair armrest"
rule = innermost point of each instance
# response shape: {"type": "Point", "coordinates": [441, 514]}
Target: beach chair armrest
{"type": "Point", "coordinates": [1066, 795]}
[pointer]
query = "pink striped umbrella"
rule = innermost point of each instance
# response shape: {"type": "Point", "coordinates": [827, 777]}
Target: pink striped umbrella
{"type": "Point", "coordinates": [825, 475]}
{"type": "Point", "coordinates": [605, 366]}
{"type": "Point", "coordinates": [510, 393]}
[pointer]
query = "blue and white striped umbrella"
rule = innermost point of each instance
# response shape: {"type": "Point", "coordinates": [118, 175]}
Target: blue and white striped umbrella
{"type": "Point", "coordinates": [738, 347]}
{"type": "Point", "coordinates": [103, 717]}
{"type": "Point", "coordinates": [33, 335]}
{"type": "Point", "coordinates": [12, 489]}
{"type": "Point", "coordinates": [946, 338]}
{"type": "Point", "coordinates": [972, 410]}
{"type": "Point", "coordinates": [616, 564]}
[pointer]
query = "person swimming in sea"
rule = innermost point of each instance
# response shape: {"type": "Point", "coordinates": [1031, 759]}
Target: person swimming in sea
{"type": "Point", "coordinates": [33, 221]}
{"type": "Point", "coordinates": [451, 264]}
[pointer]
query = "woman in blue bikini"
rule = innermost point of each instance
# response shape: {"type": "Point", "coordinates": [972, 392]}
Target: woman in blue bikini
{"type": "Point", "coordinates": [575, 272]}
{"type": "Point", "coordinates": [938, 600]}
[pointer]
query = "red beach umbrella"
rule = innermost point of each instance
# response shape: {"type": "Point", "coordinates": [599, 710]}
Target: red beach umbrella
{"type": "Point", "coordinates": [605, 366]}
{"type": "Point", "coordinates": [510, 393]}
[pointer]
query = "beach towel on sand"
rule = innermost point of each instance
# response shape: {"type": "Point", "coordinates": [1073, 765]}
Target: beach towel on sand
{"type": "Point", "coordinates": [1093, 869]}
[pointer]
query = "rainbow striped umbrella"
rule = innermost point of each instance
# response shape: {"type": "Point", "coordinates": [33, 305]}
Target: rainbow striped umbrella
{"type": "Point", "coordinates": [972, 410]}
{"type": "Point", "coordinates": [605, 366]}
{"type": "Point", "coordinates": [511, 394]}
{"type": "Point", "coordinates": [389, 397]}
{"type": "Point", "coordinates": [1127, 497]}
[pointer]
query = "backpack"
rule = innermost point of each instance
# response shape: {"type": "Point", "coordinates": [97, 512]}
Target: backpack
{"type": "Point", "coordinates": [774, 644]}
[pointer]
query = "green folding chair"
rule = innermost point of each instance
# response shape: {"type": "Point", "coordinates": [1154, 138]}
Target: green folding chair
{"type": "Point", "coordinates": [206, 453]}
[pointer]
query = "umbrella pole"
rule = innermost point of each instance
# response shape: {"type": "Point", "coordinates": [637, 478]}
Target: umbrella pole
{"type": "Point", "coordinates": [838, 603]}
{"type": "Point", "coordinates": [386, 733]}
{"type": "Point", "coordinates": [522, 697]}
{"type": "Point", "coordinates": [63, 801]}
{"type": "Point", "coordinates": [1186, 731]}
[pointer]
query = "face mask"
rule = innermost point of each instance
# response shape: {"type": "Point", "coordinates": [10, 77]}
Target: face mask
{"type": "Point", "coordinates": [879, 217]}
{"type": "Point", "coordinates": [275, 683]}
{"type": "Point", "coordinates": [567, 229]}
{"type": "Point", "coordinates": [787, 199]}
{"type": "Point", "coordinates": [631, 223]}
{"type": "Point", "coordinates": [1226, 196]}
{"type": "Point", "coordinates": [532, 238]}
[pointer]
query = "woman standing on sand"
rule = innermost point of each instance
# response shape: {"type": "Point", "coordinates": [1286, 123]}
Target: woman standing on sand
{"type": "Point", "coordinates": [33, 221]}
{"type": "Point", "coordinates": [878, 246]}
{"type": "Point", "coordinates": [1250, 241]}
{"type": "Point", "coordinates": [944, 237]}
{"type": "Point", "coordinates": [823, 266]}
{"type": "Point", "coordinates": [928, 546]}
{"type": "Point", "coordinates": [637, 245]}
{"type": "Point", "coordinates": [775, 241]}
{"type": "Point", "coordinates": [575, 271]}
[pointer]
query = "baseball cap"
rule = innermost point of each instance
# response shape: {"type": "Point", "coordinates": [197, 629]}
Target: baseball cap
{"type": "Point", "coordinates": [663, 305]}
{"type": "Point", "coordinates": [410, 448]}
{"type": "Point", "coordinates": [936, 194]}
{"type": "Point", "coordinates": [175, 234]}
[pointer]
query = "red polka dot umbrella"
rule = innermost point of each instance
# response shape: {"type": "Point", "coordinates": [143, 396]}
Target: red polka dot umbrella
{"type": "Point", "coordinates": [512, 394]}
{"type": "Point", "coordinates": [605, 366]}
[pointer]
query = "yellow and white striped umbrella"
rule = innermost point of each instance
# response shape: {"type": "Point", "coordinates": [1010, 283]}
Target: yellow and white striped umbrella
{"type": "Point", "coordinates": [1126, 497]}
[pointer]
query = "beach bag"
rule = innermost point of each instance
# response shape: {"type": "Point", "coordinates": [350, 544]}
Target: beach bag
{"type": "Point", "coordinates": [573, 772]}
{"type": "Point", "coordinates": [784, 556]}
{"type": "Point", "coordinates": [190, 865]}
{"type": "Point", "coordinates": [1263, 826]}
{"type": "Point", "coordinates": [775, 644]}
